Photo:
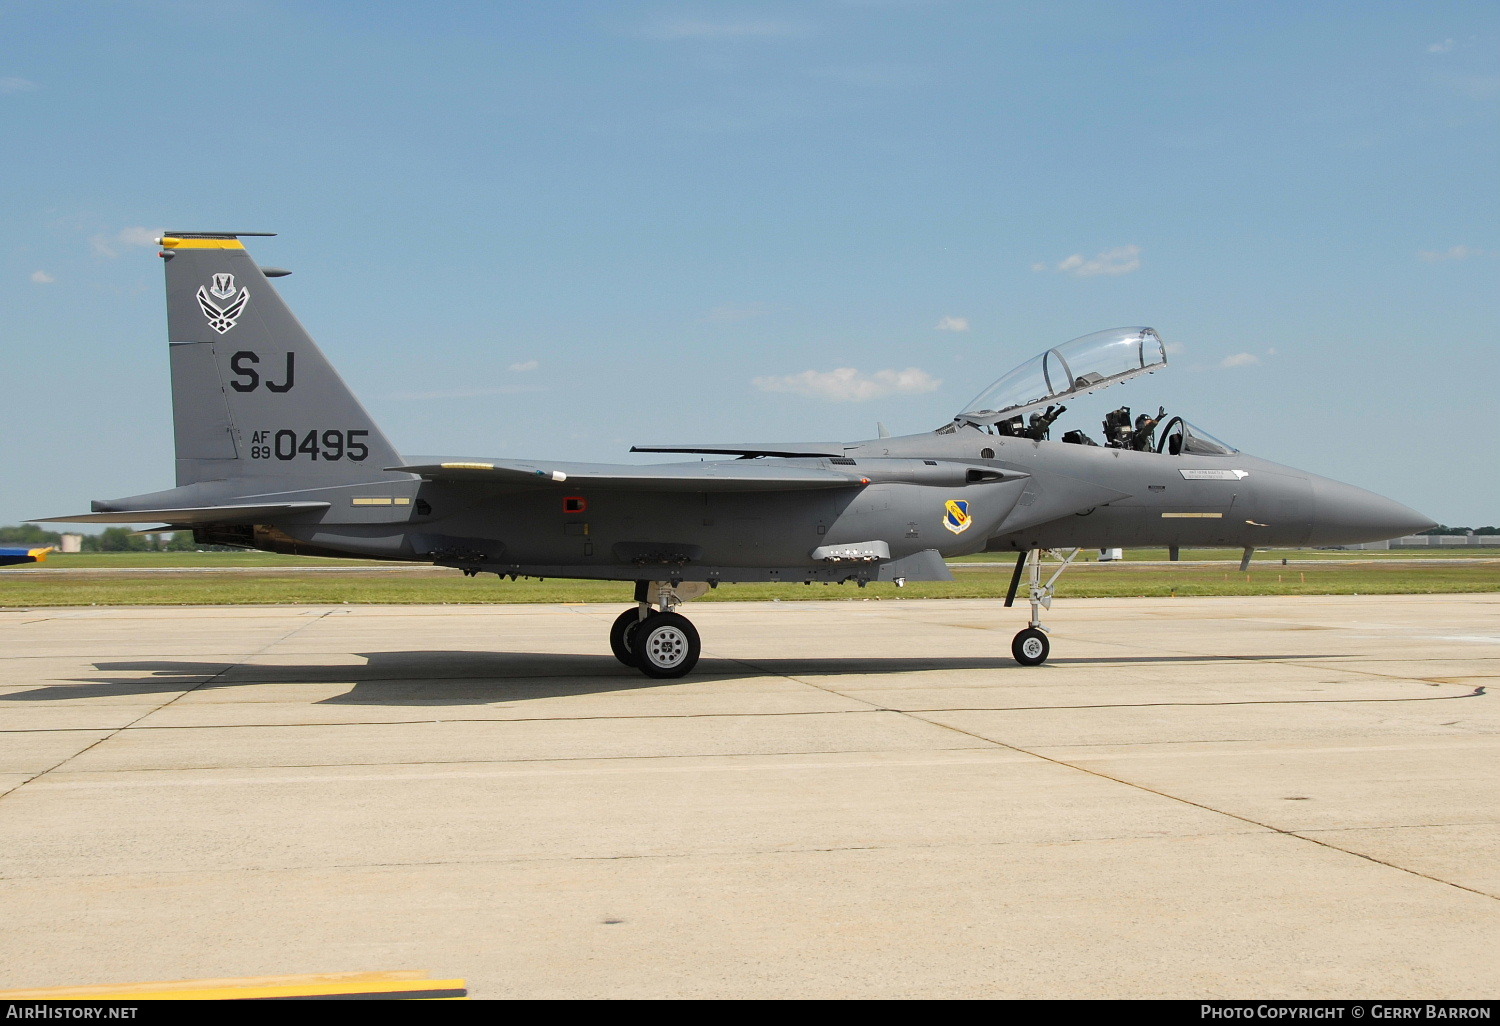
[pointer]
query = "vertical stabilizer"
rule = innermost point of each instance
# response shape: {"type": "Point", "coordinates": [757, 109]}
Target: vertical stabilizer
{"type": "Point", "coordinates": [252, 396]}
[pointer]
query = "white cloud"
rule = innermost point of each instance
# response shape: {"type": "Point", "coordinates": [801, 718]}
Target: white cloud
{"type": "Point", "coordinates": [1433, 256]}
{"type": "Point", "coordinates": [138, 236]}
{"type": "Point", "coordinates": [1120, 260]}
{"type": "Point", "coordinates": [690, 28]}
{"type": "Point", "coordinates": [1445, 46]}
{"type": "Point", "coordinates": [846, 385]}
{"type": "Point", "coordinates": [529, 365]}
{"type": "Point", "coordinates": [953, 324]}
{"type": "Point", "coordinates": [1173, 348]}
{"type": "Point", "coordinates": [42, 278]}
{"type": "Point", "coordinates": [1240, 360]}
{"type": "Point", "coordinates": [16, 85]}
{"type": "Point", "coordinates": [106, 245]}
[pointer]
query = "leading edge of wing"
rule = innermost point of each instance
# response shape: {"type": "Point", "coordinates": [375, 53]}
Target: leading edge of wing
{"type": "Point", "coordinates": [718, 476]}
{"type": "Point", "coordinates": [244, 514]}
{"type": "Point", "coordinates": [750, 448]}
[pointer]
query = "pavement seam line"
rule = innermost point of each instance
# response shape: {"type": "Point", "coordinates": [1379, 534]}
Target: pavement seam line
{"type": "Point", "coordinates": [181, 694]}
{"type": "Point", "coordinates": [986, 747]}
{"type": "Point", "coordinates": [1287, 661]}
{"type": "Point", "coordinates": [134, 725]}
{"type": "Point", "coordinates": [1161, 794]}
{"type": "Point", "coordinates": [1231, 815]}
{"type": "Point", "coordinates": [525, 860]}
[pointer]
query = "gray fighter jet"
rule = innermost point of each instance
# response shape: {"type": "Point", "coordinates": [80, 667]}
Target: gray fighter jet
{"type": "Point", "coordinates": [275, 453]}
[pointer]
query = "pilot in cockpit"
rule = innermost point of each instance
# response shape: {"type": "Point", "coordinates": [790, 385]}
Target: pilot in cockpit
{"type": "Point", "coordinates": [1041, 423]}
{"type": "Point", "coordinates": [1119, 431]}
{"type": "Point", "coordinates": [1038, 428]}
{"type": "Point", "coordinates": [1083, 365]}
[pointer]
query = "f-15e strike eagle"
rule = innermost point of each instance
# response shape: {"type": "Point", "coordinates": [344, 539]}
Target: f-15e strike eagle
{"type": "Point", "coordinates": [274, 452]}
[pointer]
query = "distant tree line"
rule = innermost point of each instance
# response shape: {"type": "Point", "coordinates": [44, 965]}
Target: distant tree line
{"type": "Point", "coordinates": [1445, 529]}
{"type": "Point", "coordinates": [111, 539]}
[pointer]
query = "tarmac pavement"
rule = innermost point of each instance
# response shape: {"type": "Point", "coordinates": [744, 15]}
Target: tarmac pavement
{"type": "Point", "coordinates": [1205, 798]}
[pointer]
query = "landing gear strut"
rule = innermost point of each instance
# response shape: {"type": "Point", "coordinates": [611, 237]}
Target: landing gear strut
{"type": "Point", "coordinates": [1031, 646]}
{"type": "Point", "coordinates": [659, 642]}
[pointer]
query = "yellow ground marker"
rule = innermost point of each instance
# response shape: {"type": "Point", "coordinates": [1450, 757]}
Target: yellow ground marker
{"type": "Point", "coordinates": [399, 983]}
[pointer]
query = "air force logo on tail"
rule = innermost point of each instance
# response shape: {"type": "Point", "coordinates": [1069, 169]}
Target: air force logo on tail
{"type": "Point", "coordinates": [957, 518]}
{"type": "Point", "coordinates": [222, 317]}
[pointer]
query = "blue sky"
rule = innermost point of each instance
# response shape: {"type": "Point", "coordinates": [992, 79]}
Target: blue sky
{"type": "Point", "coordinates": [551, 230]}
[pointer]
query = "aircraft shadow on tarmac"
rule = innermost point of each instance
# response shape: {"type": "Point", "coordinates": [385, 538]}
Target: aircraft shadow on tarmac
{"type": "Point", "coordinates": [472, 678]}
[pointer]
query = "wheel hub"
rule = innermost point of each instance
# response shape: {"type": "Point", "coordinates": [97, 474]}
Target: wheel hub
{"type": "Point", "coordinates": [667, 646]}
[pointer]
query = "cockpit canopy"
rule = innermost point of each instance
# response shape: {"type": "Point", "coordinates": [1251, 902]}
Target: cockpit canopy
{"type": "Point", "coordinates": [1180, 437]}
{"type": "Point", "coordinates": [1073, 368]}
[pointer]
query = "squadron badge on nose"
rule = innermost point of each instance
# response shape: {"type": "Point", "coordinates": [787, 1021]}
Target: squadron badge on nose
{"type": "Point", "coordinates": [957, 518]}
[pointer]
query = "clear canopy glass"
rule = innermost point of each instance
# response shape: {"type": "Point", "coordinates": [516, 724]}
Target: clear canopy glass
{"type": "Point", "coordinates": [1073, 368]}
{"type": "Point", "coordinates": [1181, 437]}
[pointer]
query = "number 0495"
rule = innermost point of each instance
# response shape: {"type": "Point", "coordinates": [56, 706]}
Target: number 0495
{"type": "Point", "coordinates": [329, 445]}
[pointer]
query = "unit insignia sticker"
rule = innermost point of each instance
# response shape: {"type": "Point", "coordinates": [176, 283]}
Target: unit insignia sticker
{"type": "Point", "coordinates": [957, 518]}
{"type": "Point", "coordinates": [220, 304]}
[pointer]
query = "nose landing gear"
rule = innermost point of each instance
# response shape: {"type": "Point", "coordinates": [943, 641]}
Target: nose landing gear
{"type": "Point", "coordinates": [658, 642]}
{"type": "Point", "coordinates": [1031, 646]}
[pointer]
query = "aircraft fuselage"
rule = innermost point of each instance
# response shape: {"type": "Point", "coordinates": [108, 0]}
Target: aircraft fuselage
{"type": "Point", "coordinates": [1048, 495]}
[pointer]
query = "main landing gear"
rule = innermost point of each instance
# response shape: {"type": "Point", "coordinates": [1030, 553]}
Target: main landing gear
{"type": "Point", "coordinates": [1030, 646]}
{"type": "Point", "coordinates": [659, 642]}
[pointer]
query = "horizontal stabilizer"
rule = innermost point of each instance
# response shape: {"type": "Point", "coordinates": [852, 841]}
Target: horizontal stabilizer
{"type": "Point", "coordinates": [191, 515]}
{"type": "Point", "coordinates": [750, 448]}
{"type": "Point", "coordinates": [719, 476]}
{"type": "Point", "coordinates": [26, 554]}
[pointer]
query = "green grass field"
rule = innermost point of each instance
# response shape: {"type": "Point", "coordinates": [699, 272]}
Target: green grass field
{"type": "Point", "coordinates": [262, 578]}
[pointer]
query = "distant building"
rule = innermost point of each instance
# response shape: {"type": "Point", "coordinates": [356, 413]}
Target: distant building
{"type": "Point", "coordinates": [1433, 541]}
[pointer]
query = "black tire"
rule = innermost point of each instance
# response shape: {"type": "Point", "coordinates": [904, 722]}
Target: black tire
{"type": "Point", "coordinates": [621, 632]}
{"type": "Point", "coordinates": [1030, 647]}
{"type": "Point", "coordinates": [666, 645]}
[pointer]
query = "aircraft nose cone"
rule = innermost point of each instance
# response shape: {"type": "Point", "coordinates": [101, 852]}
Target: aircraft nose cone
{"type": "Point", "coordinates": [1344, 514]}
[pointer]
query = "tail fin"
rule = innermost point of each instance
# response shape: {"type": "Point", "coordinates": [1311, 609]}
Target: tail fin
{"type": "Point", "coordinates": [252, 396]}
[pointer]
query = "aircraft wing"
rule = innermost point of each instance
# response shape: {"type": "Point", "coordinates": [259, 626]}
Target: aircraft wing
{"type": "Point", "coordinates": [750, 448]}
{"type": "Point", "coordinates": [718, 476]}
{"type": "Point", "coordinates": [190, 515]}
{"type": "Point", "coordinates": [27, 554]}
